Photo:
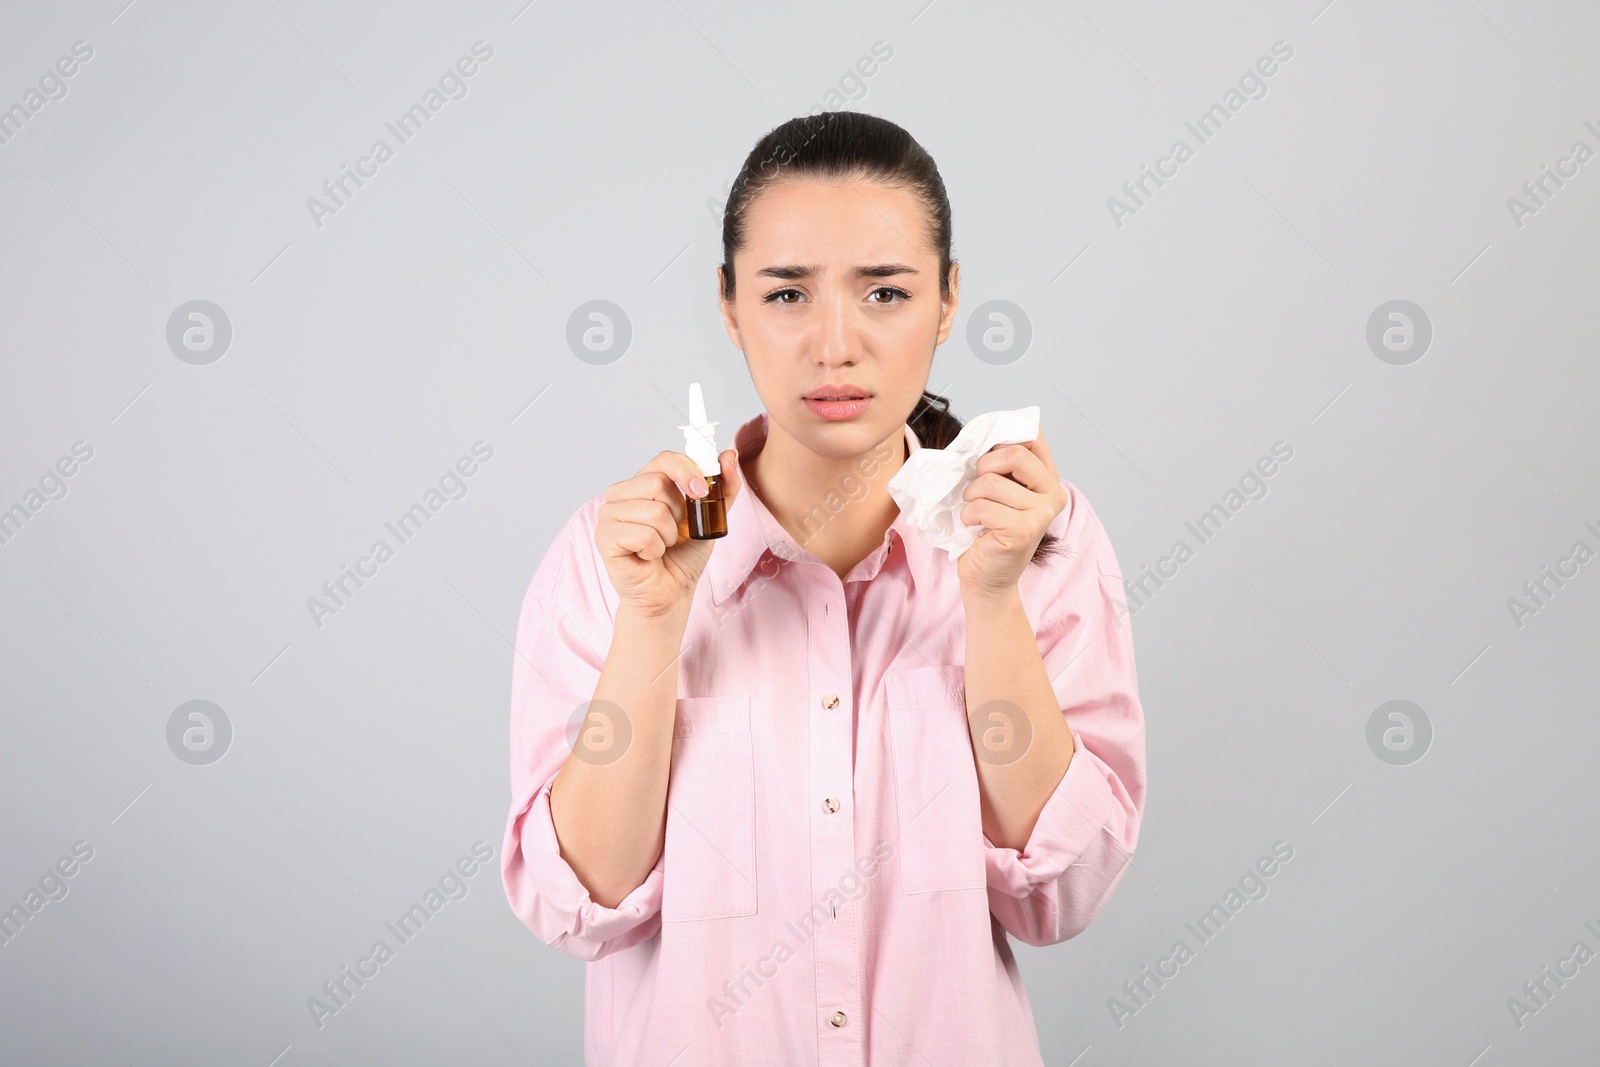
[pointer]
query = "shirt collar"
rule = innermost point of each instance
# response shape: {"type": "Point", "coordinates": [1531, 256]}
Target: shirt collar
{"type": "Point", "coordinates": [753, 531]}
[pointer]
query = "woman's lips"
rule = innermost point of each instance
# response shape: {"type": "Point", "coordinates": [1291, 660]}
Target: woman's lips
{"type": "Point", "coordinates": [835, 410]}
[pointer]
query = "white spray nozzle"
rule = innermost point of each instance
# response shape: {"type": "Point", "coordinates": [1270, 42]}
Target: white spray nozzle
{"type": "Point", "coordinates": [699, 436]}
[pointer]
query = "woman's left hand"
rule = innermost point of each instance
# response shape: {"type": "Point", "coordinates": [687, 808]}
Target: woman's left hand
{"type": "Point", "coordinates": [1016, 494]}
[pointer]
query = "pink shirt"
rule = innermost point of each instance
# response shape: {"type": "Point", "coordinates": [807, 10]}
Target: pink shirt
{"type": "Point", "coordinates": [826, 893]}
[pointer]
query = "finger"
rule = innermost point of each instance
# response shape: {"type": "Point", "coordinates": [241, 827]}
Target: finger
{"type": "Point", "coordinates": [1051, 485]}
{"type": "Point", "coordinates": [649, 515]}
{"type": "Point", "coordinates": [636, 539]}
{"type": "Point", "coordinates": [651, 485]}
{"type": "Point", "coordinates": [684, 471]}
{"type": "Point", "coordinates": [1018, 461]}
{"type": "Point", "coordinates": [623, 522]}
{"type": "Point", "coordinates": [679, 468]}
{"type": "Point", "coordinates": [732, 475]}
{"type": "Point", "coordinates": [1042, 448]}
{"type": "Point", "coordinates": [997, 487]}
{"type": "Point", "coordinates": [993, 515]}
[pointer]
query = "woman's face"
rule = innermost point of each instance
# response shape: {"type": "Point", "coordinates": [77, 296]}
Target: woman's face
{"type": "Point", "coordinates": [838, 285]}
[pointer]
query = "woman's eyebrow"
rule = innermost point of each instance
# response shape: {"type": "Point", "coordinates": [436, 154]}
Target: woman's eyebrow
{"type": "Point", "coordinates": [877, 270]}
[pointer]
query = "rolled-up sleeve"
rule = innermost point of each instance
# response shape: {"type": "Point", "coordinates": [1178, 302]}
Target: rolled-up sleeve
{"type": "Point", "coordinates": [1086, 833]}
{"type": "Point", "coordinates": [562, 637]}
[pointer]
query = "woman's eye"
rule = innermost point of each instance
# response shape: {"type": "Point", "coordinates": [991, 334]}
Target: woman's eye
{"type": "Point", "coordinates": [889, 291]}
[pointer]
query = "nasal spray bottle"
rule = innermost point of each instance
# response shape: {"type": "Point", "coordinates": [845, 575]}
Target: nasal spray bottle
{"type": "Point", "coordinates": [708, 515]}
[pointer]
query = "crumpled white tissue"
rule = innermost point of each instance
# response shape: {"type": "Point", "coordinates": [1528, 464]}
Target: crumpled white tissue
{"type": "Point", "coordinates": [928, 486]}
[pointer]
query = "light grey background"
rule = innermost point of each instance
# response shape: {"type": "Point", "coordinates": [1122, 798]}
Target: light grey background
{"type": "Point", "coordinates": [1168, 354]}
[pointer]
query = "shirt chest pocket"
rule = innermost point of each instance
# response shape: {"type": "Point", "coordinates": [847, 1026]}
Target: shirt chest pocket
{"type": "Point", "coordinates": [709, 857]}
{"type": "Point", "coordinates": [935, 779]}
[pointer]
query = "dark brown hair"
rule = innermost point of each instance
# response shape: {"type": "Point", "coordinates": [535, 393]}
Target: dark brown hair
{"type": "Point", "coordinates": [851, 146]}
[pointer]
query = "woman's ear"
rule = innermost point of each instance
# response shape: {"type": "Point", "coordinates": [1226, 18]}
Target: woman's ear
{"type": "Point", "coordinates": [947, 316]}
{"type": "Point", "coordinates": [729, 322]}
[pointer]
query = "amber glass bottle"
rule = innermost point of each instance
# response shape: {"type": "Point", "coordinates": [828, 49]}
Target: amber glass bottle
{"type": "Point", "coordinates": [707, 515]}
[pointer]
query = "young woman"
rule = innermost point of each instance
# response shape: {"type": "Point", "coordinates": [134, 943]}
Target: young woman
{"type": "Point", "coordinates": [823, 770]}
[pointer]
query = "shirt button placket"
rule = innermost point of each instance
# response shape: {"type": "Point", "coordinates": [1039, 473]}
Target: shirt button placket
{"type": "Point", "coordinates": [833, 839]}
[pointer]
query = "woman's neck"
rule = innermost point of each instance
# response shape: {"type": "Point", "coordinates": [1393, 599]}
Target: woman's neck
{"type": "Point", "coordinates": [837, 509]}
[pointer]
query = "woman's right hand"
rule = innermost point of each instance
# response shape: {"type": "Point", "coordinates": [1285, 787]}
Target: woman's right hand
{"type": "Point", "coordinates": [643, 532]}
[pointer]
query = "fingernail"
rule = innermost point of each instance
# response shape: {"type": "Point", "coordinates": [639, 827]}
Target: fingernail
{"type": "Point", "coordinates": [698, 487]}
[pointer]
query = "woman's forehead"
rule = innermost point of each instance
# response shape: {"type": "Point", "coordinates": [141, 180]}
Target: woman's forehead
{"type": "Point", "coordinates": [835, 224]}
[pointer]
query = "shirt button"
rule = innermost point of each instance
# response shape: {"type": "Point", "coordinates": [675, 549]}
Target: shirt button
{"type": "Point", "coordinates": [830, 805]}
{"type": "Point", "coordinates": [837, 1018]}
{"type": "Point", "coordinates": [830, 701]}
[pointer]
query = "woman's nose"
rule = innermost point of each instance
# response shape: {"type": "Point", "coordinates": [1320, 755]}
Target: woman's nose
{"type": "Point", "coordinates": [834, 339]}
